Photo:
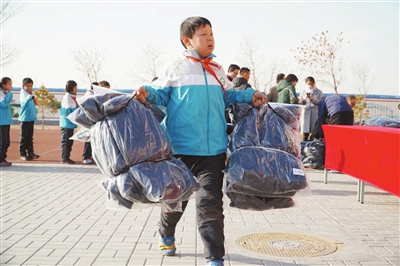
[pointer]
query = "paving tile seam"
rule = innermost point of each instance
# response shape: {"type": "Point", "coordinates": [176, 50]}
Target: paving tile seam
{"type": "Point", "coordinates": [40, 201]}
{"type": "Point", "coordinates": [140, 235]}
{"type": "Point", "coordinates": [41, 225]}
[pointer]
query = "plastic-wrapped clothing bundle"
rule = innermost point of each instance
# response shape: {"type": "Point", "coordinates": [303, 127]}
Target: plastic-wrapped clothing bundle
{"type": "Point", "coordinates": [268, 128]}
{"type": "Point", "coordinates": [296, 109]}
{"type": "Point", "coordinates": [237, 111]}
{"type": "Point", "coordinates": [129, 137]}
{"type": "Point", "coordinates": [313, 154]}
{"type": "Point", "coordinates": [133, 151]}
{"type": "Point", "coordinates": [97, 107]}
{"type": "Point", "coordinates": [166, 181]}
{"type": "Point", "coordinates": [263, 172]}
{"type": "Point", "coordinates": [382, 121]}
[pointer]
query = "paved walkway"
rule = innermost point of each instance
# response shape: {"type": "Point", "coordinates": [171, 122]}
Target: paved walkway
{"type": "Point", "coordinates": [56, 215]}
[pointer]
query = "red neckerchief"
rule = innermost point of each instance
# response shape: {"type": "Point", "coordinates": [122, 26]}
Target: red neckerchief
{"type": "Point", "coordinates": [206, 64]}
{"type": "Point", "coordinates": [34, 98]}
{"type": "Point", "coordinates": [74, 98]}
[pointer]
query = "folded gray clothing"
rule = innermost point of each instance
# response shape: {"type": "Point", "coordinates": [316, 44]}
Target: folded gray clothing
{"type": "Point", "coordinates": [128, 137]}
{"type": "Point", "coordinates": [264, 172]}
{"type": "Point", "coordinates": [164, 181]}
{"type": "Point", "coordinates": [97, 107]}
{"type": "Point", "coordinates": [265, 127]}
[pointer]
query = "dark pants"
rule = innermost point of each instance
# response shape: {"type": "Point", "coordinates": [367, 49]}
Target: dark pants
{"type": "Point", "coordinates": [87, 151]}
{"type": "Point", "coordinates": [342, 118]}
{"type": "Point", "coordinates": [26, 138]}
{"type": "Point", "coordinates": [66, 143]}
{"type": "Point", "coordinates": [4, 141]}
{"type": "Point", "coordinates": [209, 210]}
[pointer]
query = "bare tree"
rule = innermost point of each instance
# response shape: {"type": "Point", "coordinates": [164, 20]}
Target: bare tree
{"type": "Point", "coordinates": [89, 61]}
{"type": "Point", "coordinates": [9, 9]}
{"type": "Point", "coordinates": [274, 66]}
{"type": "Point", "coordinates": [147, 64]}
{"type": "Point", "coordinates": [9, 53]}
{"type": "Point", "coordinates": [363, 82]}
{"type": "Point", "coordinates": [251, 58]}
{"type": "Point", "coordinates": [324, 55]}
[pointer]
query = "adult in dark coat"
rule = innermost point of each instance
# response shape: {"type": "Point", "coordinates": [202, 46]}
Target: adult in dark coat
{"type": "Point", "coordinates": [241, 83]}
{"type": "Point", "coordinates": [334, 110]}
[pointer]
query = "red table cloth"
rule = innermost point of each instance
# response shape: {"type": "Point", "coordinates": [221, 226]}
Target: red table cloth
{"type": "Point", "coordinates": [368, 153]}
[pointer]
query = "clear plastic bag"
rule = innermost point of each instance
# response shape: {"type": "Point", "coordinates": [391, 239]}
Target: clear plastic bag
{"type": "Point", "coordinates": [265, 127]}
{"type": "Point", "coordinates": [128, 137]}
{"type": "Point", "coordinates": [382, 121]}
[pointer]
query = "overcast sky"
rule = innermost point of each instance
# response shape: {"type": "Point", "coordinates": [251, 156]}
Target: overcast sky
{"type": "Point", "coordinates": [44, 32]}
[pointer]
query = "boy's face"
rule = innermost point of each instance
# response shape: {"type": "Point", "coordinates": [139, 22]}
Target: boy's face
{"type": "Point", "coordinates": [74, 90]}
{"type": "Point", "coordinates": [28, 87]}
{"type": "Point", "coordinates": [8, 86]}
{"type": "Point", "coordinates": [202, 41]}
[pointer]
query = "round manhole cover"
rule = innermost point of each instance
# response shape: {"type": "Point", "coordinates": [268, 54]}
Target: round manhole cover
{"type": "Point", "coordinates": [288, 244]}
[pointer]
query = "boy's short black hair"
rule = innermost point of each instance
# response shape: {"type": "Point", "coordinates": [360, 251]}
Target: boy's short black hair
{"type": "Point", "coordinates": [291, 78]}
{"type": "Point", "coordinates": [233, 67]}
{"type": "Point", "coordinates": [244, 70]}
{"type": "Point", "coordinates": [70, 85]}
{"type": "Point", "coordinates": [26, 81]}
{"type": "Point", "coordinates": [191, 24]}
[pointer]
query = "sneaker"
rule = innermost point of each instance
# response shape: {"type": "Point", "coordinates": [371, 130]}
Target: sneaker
{"type": "Point", "coordinates": [88, 161]}
{"type": "Point", "coordinates": [5, 163]}
{"type": "Point", "coordinates": [215, 263]}
{"type": "Point", "coordinates": [25, 158]}
{"type": "Point", "coordinates": [167, 245]}
{"type": "Point", "coordinates": [68, 161]}
{"type": "Point", "coordinates": [33, 156]}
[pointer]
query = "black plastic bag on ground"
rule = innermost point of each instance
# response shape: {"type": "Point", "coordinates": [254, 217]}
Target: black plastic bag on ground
{"type": "Point", "coordinates": [263, 172]}
{"type": "Point", "coordinates": [313, 154]}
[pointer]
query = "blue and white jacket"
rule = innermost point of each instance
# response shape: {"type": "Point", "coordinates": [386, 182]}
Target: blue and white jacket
{"type": "Point", "coordinates": [68, 105]}
{"type": "Point", "coordinates": [195, 104]}
{"type": "Point", "coordinates": [28, 108]}
{"type": "Point", "coordinates": [5, 110]}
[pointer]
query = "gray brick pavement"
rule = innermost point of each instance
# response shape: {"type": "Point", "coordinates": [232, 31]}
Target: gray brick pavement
{"type": "Point", "coordinates": [56, 215]}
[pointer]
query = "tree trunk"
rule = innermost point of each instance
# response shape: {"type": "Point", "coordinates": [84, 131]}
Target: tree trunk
{"type": "Point", "coordinates": [42, 119]}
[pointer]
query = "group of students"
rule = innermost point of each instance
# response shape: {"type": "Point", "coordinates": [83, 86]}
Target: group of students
{"type": "Point", "coordinates": [28, 116]}
{"type": "Point", "coordinates": [196, 92]}
{"type": "Point", "coordinates": [69, 105]}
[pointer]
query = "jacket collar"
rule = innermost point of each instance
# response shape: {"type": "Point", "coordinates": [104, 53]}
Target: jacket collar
{"type": "Point", "coordinates": [194, 53]}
